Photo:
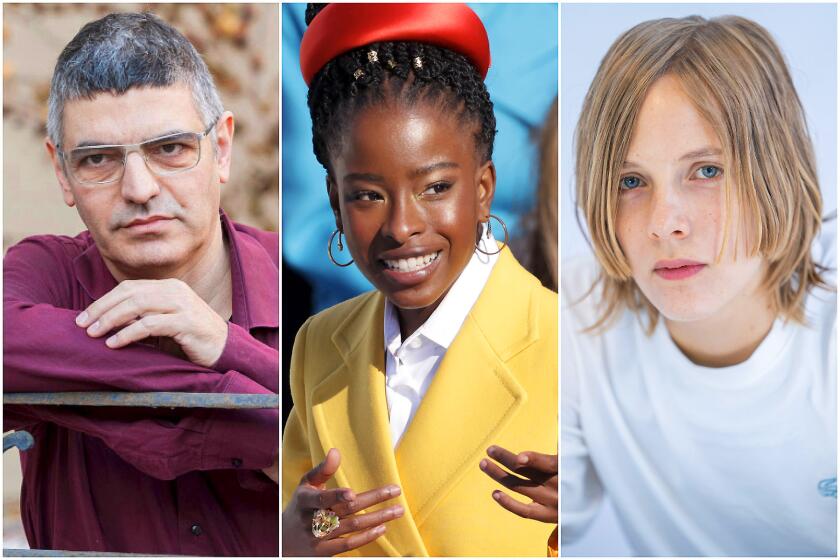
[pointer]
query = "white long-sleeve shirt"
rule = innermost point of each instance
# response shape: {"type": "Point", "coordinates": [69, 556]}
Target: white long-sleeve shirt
{"type": "Point", "coordinates": [734, 461]}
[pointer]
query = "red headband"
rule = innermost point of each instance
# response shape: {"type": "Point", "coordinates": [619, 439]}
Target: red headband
{"type": "Point", "coordinates": [339, 28]}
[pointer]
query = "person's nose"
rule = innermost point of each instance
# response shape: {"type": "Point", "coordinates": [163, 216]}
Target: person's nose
{"type": "Point", "coordinates": [668, 215]}
{"type": "Point", "coordinates": [404, 220]}
{"type": "Point", "coordinates": [139, 185]}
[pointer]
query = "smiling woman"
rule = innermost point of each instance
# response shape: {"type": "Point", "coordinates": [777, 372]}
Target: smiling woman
{"type": "Point", "coordinates": [699, 364]}
{"type": "Point", "coordinates": [456, 330]}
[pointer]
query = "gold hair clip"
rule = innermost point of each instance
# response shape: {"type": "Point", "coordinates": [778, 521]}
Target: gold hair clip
{"type": "Point", "coordinates": [372, 56]}
{"type": "Point", "coordinates": [358, 73]}
{"type": "Point", "coordinates": [418, 62]}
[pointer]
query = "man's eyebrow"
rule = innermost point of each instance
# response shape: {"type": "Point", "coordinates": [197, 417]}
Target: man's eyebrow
{"type": "Point", "coordinates": [94, 142]}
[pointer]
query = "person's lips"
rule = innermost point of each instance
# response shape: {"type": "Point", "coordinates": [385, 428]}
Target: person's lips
{"type": "Point", "coordinates": [148, 224]}
{"type": "Point", "coordinates": [408, 268]}
{"type": "Point", "coordinates": [677, 269]}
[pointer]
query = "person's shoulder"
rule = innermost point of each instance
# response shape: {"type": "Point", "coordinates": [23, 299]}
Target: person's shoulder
{"type": "Point", "coordinates": [329, 320]}
{"type": "Point", "coordinates": [49, 249]}
{"type": "Point", "coordinates": [314, 339]}
{"type": "Point", "coordinates": [268, 240]}
{"type": "Point", "coordinates": [579, 279]}
{"type": "Point", "coordinates": [821, 308]}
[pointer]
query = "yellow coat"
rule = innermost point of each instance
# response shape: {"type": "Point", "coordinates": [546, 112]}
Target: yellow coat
{"type": "Point", "coordinates": [497, 384]}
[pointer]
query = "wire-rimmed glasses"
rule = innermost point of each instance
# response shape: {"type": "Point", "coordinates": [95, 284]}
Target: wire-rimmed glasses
{"type": "Point", "coordinates": [165, 155]}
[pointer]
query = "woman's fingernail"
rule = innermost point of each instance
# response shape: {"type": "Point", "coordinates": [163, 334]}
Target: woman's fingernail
{"type": "Point", "coordinates": [81, 318]}
{"type": "Point", "coordinates": [483, 464]}
{"type": "Point", "coordinates": [94, 328]}
{"type": "Point", "coordinates": [379, 530]}
{"type": "Point", "coordinates": [523, 459]}
{"type": "Point", "coordinates": [397, 511]}
{"type": "Point", "coordinates": [497, 495]}
{"type": "Point", "coordinates": [111, 341]}
{"type": "Point", "coordinates": [347, 496]}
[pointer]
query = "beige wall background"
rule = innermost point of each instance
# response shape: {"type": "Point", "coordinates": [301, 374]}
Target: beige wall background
{"type": "Point", "coordinates": [239, 43]}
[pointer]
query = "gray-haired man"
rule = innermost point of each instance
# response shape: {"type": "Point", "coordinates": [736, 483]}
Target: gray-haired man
{"type": "Point", "coordinates": [162, 293]}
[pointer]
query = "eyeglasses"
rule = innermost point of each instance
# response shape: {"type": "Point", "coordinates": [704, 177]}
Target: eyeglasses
{"type": "Point", "coordinates": [166, 155]}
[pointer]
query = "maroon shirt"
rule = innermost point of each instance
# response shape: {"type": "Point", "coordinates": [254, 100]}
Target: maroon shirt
{"type": "Point", "coordinates": [177, 481]}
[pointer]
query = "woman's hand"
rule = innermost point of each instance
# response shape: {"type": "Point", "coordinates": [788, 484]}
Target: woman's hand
{"type": "Point", "coordinates": [353, 531]}
{"type": "Point", "coordinates": [533, 475]}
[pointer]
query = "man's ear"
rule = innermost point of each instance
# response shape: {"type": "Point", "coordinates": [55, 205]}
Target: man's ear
{"type": "Point", "coordinates": [58, 167]}
{"type": "Point", "coordinates": [332, 192]}
{"type": "Point", "coordinates": [224, 145]}
{"type": "Point", "coordinates": [485, 189]}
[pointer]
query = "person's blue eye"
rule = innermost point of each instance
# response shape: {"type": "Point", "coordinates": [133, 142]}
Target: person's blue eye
{"type": "Point", "coordinates": [630, 182]}
{"type": "Point", "coordinates": [708, 172]}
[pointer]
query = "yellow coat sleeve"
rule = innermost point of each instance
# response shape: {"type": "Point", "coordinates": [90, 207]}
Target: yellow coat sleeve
{"type": "Point", "coordinates": [297, 458]}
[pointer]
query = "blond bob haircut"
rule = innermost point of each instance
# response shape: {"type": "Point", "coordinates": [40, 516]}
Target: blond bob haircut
{"type": "Point", "coordinates": [734, 73]}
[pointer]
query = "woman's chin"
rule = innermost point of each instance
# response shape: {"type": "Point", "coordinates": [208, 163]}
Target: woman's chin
{"type": "Point", "coordinates": [685, 311]}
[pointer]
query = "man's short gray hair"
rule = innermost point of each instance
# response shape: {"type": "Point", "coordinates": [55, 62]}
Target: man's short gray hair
{"type": "Point", "coordinates": [124, 51]}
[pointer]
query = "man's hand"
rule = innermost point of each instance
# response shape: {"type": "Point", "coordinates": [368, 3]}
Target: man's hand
{"type": "Point", "coordinates": [273, 472]}
{"type": "Point", "coordinates": [532, 474]}
{"type": "Point", "coordinates": [165, 308]}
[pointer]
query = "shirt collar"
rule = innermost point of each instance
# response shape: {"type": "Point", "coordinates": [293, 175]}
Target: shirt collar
{"type": "Point", "coordinates": [445, 322]}
{"type": "Point", "coordinates": [254, 276]}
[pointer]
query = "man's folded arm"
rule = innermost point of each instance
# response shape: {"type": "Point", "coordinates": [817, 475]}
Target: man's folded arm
{"type": "Point", "coordinates": [172, 442]}
{"type": "Point", "coordinates": [251, 357]}
{"type": "Point", "coordinates": [45, 351]}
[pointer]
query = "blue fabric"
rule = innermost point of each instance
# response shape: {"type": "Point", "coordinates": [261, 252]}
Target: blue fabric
{"type": "Point", "coordinates": [522, 82]}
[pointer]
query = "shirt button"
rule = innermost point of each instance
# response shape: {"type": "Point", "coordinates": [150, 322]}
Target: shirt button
{"type": "Point", "coordinates": [415, 344]}
{"type": "Point", "coordinates": [196, 529]}
{"type": "Point", "coordinates": [236, 462]}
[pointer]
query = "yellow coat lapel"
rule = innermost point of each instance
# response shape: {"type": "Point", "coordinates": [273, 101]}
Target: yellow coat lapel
{"type": "Point", "coordinates": [350, 413]}
{"type": "Point", "coordinates": [474, 394]}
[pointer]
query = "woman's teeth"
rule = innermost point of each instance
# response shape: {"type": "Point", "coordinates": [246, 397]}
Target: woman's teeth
{"type": "Point", "coordinates": [413, 263]}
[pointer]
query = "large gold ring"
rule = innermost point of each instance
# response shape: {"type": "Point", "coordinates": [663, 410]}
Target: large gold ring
{"type": "Point", "coordinates": [324, 522]}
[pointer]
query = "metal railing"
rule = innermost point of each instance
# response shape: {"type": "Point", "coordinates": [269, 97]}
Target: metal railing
{"type": "Point", "coordinates": [23, 440]}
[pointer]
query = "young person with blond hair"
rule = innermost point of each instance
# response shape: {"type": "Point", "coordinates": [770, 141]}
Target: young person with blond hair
{"type": "Point", "coordinates": [699, 356]}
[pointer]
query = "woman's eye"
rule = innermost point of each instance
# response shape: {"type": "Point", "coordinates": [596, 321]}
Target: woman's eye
{"type": "Point", "coordinates": [630, 182]}
{"type": "Point", "coordinates": [438, 188]}
{"type": "Point", "coordinates": [367, 196]}
{"type": "Point", "coordinates": [708, 172]}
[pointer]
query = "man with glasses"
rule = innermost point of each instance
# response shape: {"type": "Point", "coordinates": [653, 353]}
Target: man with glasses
{"type": "Point", "coordinates": [163, 292]}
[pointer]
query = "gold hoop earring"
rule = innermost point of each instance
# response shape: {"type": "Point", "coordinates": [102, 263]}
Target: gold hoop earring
{"type": "Point", "coordinates": [340, 248]}
{"type": "Point", "coordinates": [489, 231]}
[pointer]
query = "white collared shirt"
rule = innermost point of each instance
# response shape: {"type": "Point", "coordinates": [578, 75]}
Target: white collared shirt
{"type": "Point", "coordinates": [410, 366]}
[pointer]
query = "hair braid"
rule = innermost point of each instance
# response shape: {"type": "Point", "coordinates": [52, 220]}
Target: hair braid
{"type": "Point", "coordinates": [444, 77]}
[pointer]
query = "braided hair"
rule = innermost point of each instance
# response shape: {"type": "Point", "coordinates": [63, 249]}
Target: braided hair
{"type": "Point", "coordinates": [356, 79]}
